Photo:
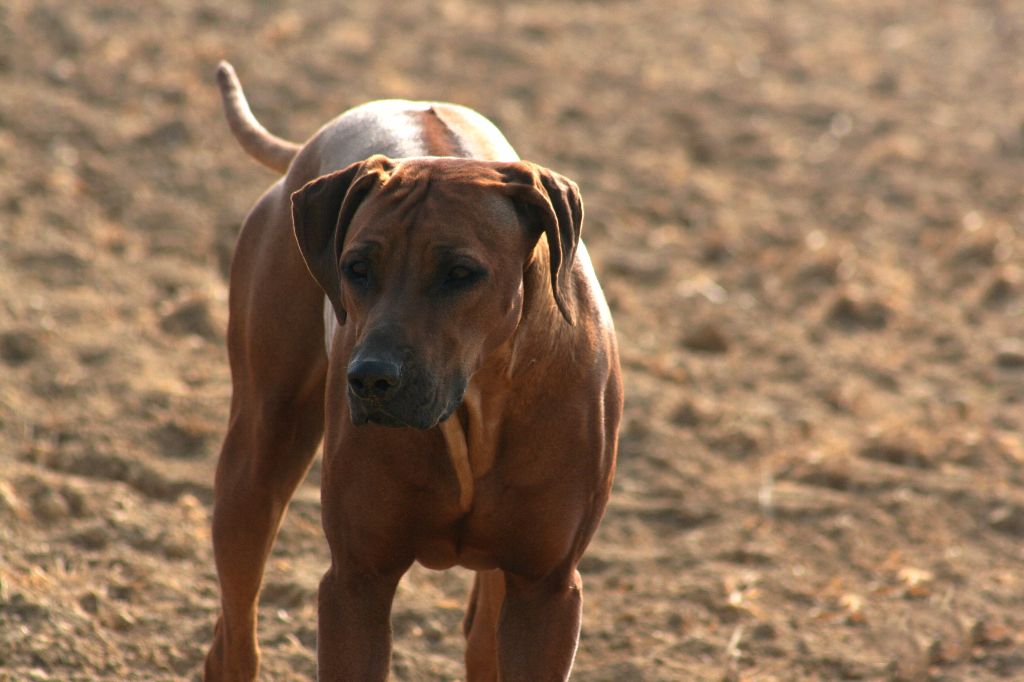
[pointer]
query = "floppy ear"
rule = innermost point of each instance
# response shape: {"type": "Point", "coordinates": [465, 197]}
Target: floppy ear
{"type": "Point", "coordinates": [558, 209]}
{"type": "Point", "coordinates": [321, 212]}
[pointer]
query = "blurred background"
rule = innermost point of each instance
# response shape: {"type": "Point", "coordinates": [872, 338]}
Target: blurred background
{"type": "Point", "coordinates": [808, 217]}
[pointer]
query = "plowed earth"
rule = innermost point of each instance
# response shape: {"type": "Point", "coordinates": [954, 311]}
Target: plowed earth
{"type": "Point", "coordinates": [809, 221]}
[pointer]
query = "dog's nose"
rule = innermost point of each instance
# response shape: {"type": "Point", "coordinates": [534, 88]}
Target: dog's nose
{"type": "Point", "coordinates": [373, 379]}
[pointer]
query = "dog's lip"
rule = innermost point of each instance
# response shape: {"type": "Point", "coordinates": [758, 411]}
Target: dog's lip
{"type": "Point", "coordinates": [384, 419]}
{"type": "Point", "coordinates": [372, 411]}
{"type": "Point", "coordinates": [375, 414]}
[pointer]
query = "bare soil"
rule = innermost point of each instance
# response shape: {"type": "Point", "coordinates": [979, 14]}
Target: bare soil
{"type": "Point", "coordinates": [809, 220]}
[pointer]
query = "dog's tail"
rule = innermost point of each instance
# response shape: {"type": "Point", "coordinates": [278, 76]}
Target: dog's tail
{"type": "Point", "coordinates": [257, 141]}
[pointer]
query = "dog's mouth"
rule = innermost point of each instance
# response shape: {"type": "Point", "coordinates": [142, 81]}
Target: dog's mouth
{"type": "Point", "coordinates": [381, 418]}
{"type": "Point", "coordinates": [372, 412]}
{"type": "Point", "coordinates": [400, 413]}
{"type": "Point", "coordinates": [366, 412]}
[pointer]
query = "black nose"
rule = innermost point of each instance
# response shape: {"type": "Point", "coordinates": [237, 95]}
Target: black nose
{"type": "Point", "coordinates": [374, 379]}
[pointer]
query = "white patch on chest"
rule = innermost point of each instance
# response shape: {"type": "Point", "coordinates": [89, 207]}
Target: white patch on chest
{"type": "Point", "coordinates": [458, 452]}
{"type": "Point", "coordinates": [330, 325]}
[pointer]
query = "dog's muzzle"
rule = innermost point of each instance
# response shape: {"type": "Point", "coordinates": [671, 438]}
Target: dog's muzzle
{"type": "Point", "coordinates": [389, 393]}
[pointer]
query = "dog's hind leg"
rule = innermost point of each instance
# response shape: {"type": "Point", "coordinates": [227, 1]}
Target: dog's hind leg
{"type": "Point", "coordinates": [278, 366]}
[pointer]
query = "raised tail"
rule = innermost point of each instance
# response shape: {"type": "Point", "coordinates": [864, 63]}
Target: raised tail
{"type": "Point", "coordinates": [257, 141]}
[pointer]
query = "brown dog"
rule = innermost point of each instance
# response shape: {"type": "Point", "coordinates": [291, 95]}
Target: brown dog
{"type": "Point", "coordinates": [469, 384]}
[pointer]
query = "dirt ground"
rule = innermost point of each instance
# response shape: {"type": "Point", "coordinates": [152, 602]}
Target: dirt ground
{"type": "Point", "coordinates": [809, 221]}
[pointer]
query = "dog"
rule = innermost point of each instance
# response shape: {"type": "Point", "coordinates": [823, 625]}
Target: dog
{"type": "Point", "coordinates": [416, 295]}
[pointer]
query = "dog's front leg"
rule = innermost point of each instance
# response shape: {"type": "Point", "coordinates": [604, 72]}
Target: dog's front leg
{"type": "Point", "coordinates": [539, 627]}
{"type": "Point", "coordinates": [354, 637]}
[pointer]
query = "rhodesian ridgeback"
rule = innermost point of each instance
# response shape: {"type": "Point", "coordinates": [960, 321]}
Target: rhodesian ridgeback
{"type": "Point", "coordinates": [413, 292]}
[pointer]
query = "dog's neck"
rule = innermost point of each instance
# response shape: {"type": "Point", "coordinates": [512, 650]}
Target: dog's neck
{"type": "Point", "coordinates": [470, 445]}
{"type": "Point", "coordinates": [471, 433]}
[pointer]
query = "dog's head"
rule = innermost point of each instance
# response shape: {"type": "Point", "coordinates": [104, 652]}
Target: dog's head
{"type": "Point", "coordinates": [425, 260]}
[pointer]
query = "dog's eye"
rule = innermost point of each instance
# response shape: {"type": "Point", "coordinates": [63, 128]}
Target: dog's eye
{"type": "Point", "coordinates": [357, 271]}
{"type": "Point", "coordinates": [460, 276]}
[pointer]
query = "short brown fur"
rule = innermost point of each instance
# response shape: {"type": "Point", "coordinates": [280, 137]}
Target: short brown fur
{"type": "Point", "coordinates": [527, 351]}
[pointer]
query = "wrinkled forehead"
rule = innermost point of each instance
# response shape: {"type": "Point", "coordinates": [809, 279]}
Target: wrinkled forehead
{"type": "Point", "coordinates": [452, 201]}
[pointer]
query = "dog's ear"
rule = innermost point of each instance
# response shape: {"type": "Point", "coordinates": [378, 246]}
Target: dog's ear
{"type": "Point", "coordinates": [555, 203]}
{"type": "Point", "coordinates": [321, 212]}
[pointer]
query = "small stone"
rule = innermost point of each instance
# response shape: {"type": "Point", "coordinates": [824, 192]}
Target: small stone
{"type": "Point", "coordinates": [1011, 356]}
{"type": "Point", "coordinates": [687, 414]}
{"type": "Point", "coordinates": [676, 622]}
{"type": "Point", "coordinates": [48, 505]}
{"type": "Point", "coordinates": [120, 621]}
{"type": "Point", "coordinates": [76, 501]}
{"type": "Point", "coordinates": [10, 505]}
{"type": "Point", "coordinates": [917, 582]}
{"type": "Point", "coordinates": [762, 632]}
{"type": "Point", "coordinates": [706, 338]}
{"type": "Point", "coordinates": [180, 441]}
{"type": "Point", "coordinates": [191, 316]}
{"type": "Point", "coordinates": [1003, 287]}
{"type": "Point", "coordinates": [981, 253]}
{"type": "Point", "coordinates": [90, 602]}
{"type": "Point", "coordinates": [92, 538]}
{"type": "Point", "coordinates": [95, 356]}
{"type": "Point", "coordinates": [176, 546]}
{"type": "Point", "coordinates": [946, 651]}
{"type": "Point", "coordinates": [433, 631]}
{"type": "Point", "coordinates": [853, 605]}
{"type": "Point", "coordinates": [286, 594]}
{"type": "Point", "coordinates": [735, 443]}
{"type": "Point", "coordinates": [1007, 519]}
{"type": "Point", "coordinates": [18, 347]}
{"type": "Point", "coordinates": [824, 270]}
{"type": "Point", "coordinates": [898, 449]}
{"type": "Point", "coordinates": [852, 312]}
{"type": "Point", "coordinates": [121, 592]}
{"type": "Point", "coordinates": [25, 609]}
{"type": "Point", "coordinates": [991, 633]}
